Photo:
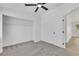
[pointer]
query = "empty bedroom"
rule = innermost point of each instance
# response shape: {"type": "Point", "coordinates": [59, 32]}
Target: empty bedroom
{"type": "Point", "coordinates": [39, 29]}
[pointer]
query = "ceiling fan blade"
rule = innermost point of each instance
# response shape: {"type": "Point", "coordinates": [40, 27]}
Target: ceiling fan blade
{"type": "Point", "coordinates": [30, 4]}
{"type": "Point", "coordinates": [36, 9]}
{"type": "Point", "coordinates": [42, 3]}
{"type": "Point", "coordinates": [44, 7]}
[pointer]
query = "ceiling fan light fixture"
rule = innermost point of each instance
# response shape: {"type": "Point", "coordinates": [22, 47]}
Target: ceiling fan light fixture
{"type": "Point", "coordinates": [39, 5]}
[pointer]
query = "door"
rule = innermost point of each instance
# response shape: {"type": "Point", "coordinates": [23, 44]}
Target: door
{"type": "Point", "coordinates": [53, 31]}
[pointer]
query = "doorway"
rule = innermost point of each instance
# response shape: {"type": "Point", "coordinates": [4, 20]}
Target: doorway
{"type": "Point", "coordinates": [72, 42]}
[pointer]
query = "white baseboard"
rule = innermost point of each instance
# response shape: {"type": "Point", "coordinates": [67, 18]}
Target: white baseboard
{"type": "Point", "coordinates": [1, 50]}
{"type": "Point", "coordinates": [14, 43]}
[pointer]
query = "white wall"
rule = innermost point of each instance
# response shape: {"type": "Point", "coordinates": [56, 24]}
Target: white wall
{"type": "Point", "coordinates": [37, 29]}
{"type": "Point", "coordinates": [16, 30]}
{"type": "Point", "coordinates": [68, 27]}
{"type": "Point", "coordinates": [48, 20]}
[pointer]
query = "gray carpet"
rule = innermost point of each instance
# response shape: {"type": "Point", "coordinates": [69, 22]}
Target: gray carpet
{"type": "Point", "coordinates": [36, 49]}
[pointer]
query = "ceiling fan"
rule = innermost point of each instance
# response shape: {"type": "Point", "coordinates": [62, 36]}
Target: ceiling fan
{"type": "Point", "coordinates": [39, 5]}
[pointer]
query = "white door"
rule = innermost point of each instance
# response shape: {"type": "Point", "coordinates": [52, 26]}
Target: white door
{"type": "Point", "coordinates": [54, 31]}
